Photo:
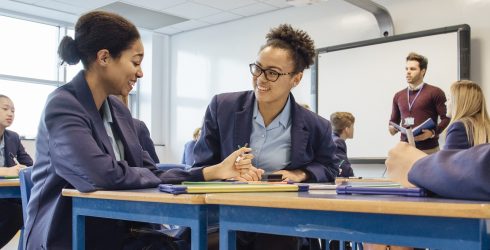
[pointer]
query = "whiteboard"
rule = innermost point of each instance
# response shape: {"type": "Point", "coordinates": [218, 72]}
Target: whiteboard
{"type": "Point", "coordinates": [363, 77]}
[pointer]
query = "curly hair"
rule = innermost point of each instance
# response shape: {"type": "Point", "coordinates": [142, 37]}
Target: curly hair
{"type": "Point", "coordinates": [297, 42]}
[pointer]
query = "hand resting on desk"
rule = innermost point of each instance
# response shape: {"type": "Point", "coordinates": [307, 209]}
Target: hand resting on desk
{"type": "Point", "coordinates": [400, 160]}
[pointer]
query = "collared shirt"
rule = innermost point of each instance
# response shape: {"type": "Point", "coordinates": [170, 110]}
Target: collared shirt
{"type": "Point", "coordinates": [271, 145]}
{"type": "Point", "coordinates": [2, 151]}
{"type": "Point", "coordinates": [116, 143]}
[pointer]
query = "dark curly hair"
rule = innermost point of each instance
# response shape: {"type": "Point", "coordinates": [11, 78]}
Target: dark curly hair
{"type": "Point", "coordinates": [94, 31]}
{"type": "Point", "coordinates": [297, 42]}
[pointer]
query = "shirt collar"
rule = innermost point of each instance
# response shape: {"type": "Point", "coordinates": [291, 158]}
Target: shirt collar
{"type": "Point", "coordinates": [2, 142]}
{"type": "Point", "coordinates": [107, 112]}
{"type": "Point", "coordinates": [284, 118]}
{"type": "Point", "coordinates": [416, 88]}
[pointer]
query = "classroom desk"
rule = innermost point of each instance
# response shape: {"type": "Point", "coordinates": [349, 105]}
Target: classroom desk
{"type": "Point", "coordinates": [144, 205]}
{"type": "Point", "coordinates": [9, 188]}
{"type": "Point", "coordinates": [418, 222]}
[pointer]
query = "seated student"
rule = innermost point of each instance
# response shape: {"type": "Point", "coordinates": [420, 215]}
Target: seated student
{"type": "Point", "coordinates": [143, 134]}
{"type": "Point", "coordinates": [343, 128]}
{"type": "Point", "coordinates": [285, 138]}
{"type": "Point", "coordinates": [451, 173]}
{"type": "Point", "coordinates": [86, 138]}
{"type": "Point", "coordinates": [188, 155]}
{"type": "Point", "coordinates": [13, 157]}
{"type": "Point", "coordinates": [470, 124]}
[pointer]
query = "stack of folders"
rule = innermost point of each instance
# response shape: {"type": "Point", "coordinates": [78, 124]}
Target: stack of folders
{"type": "Point", "coordinates": [377, 187]}
{"type": "Point", "coordinates": [230, 187]}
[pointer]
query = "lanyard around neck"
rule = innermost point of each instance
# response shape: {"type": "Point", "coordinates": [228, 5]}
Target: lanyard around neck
{"type": "Point", "coordinates": [410, 105]}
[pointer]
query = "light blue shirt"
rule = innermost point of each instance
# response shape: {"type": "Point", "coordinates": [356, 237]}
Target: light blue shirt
{"type": "Point", "coordinates": [2, 151]}
{"type": "Point", "coordinates": [116, 143]}
{"type": "Point", "coordinates": [271, 145]}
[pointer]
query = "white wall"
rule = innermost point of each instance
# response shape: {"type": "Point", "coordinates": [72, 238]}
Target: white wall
{"type": "Point", "coordinates": [213, 60]}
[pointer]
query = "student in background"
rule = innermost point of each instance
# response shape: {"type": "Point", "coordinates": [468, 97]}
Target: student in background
{"type": "Point", "coordinates": [188, 155]}
{"type": "Point", "coordinates": [13, 157]}
{"type": "Point", "coordinates": [86, 138]}
{"type": "Point", "coordinates": [418, 102]}
{"type": "Point", "coordinates": [470, 124]}
{"type": "Point", "coordinates": [451, 173]}
{"type": "Point", "coordinates": [286, 138]}
{"type": "Point", "coordinates": [143, 134]}
{"type": "Point", "coordinates": [343, 129]}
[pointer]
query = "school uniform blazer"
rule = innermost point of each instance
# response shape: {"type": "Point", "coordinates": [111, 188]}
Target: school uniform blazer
{"type": "Point", "coordinates": [145, 140]}
{"type": "Point", "coordinates": [14, 146]}
{"type": "Point", "coordinates": [456, 137]}
{"type": "Point", "coordinates": [461, 174]}
{"type": "Point", "coordinates": [74, 151]}
{"type": "Point", "coordinates": [341, 153]}
{"type": "Point", "coordinates": [228, 123]}
{"type": "Point", "coordinates": [188, 155]}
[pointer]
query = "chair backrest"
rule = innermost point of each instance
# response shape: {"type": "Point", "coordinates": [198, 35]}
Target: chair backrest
{"type": "Point", "coordinates": [168, 166]}
{"type": "Point", "coordinates": [25, 189]}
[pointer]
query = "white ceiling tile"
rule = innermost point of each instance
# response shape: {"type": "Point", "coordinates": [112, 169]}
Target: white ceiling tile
{"type": "Point", "coordinates": [278, 3]}
{"type": "Point", "coordinates": [188, 25]}
{"type": "Point", "coordinates": [155, 5]}
{"type": "Point", "coordinates": [253, 9]}
{"type": "Point", "coordinates": [28, 1]}
{"type": "Point", "coordinates": [191, 10]}
{"type": "Point", "coordinates": [88, 5]}
{"type": "Point", "coordinates": [225, 4]}
{"type": "Point", "coordinates": [61, 6]}
{"type": "Point", "coordinates": [221, 17]}
{"type": "Point", "coordinates": [168, 30]}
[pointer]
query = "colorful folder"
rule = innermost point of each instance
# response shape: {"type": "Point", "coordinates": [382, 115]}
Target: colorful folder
{"type": "Point", "coordinates": [230, 187]}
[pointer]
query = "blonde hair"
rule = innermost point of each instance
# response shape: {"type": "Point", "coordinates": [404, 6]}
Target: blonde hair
{"type": "Point", "coordinates": [468, 106]}
{"type": "Point", "coordinates": [341, 120]}
{"type": "Point", "coordinates": [196, 134]}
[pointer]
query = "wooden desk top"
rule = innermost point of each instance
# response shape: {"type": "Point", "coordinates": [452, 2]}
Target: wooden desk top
{"type": "Point", "coordinates": [146, 195]}
{"type": "Point", "coordinates": [9, 183]}
{"type": "Point", "coordinates": [328, 200]}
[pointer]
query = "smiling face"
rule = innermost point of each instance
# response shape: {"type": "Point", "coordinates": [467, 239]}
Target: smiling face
{"type": "Point", "coordinates": [7, 112]}
{"type": "Point", "coordinates": [123, 72]}
{"type": "Point", "coordinates": [268, 92]}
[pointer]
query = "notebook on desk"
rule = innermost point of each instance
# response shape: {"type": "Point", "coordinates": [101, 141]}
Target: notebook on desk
{"type": "Point", "coordinates": [387, 190]}
{"type": "Point", "coordinates": [211, 187]}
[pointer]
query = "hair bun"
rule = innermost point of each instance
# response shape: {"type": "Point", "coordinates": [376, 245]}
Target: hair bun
{"type": "Point", "coordinates": [68, 51]}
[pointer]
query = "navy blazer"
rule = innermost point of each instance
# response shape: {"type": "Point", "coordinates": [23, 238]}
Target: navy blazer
{"type": "Point", "coordinates": [145, 140]}
{"type": "Point", "coordinates": [461, 174]}
{"type": "Point", "coordinates": [228, 123]}
{"type": "Point", "coordinates": [14, 146]}
{"type": "Point", "coordinates": [456, 137]}
{"type": "Point", "coordinates": [341, 153]}
{"type": "Point", "coordinates": [188, 155]}
{"type": "Point", "coordinates": [74, 151]}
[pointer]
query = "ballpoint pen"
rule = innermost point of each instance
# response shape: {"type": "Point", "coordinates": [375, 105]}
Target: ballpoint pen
{"type": "Point", "coordinates": [14, 158]}
{"type": "Point", "coordinates": [239, 158]}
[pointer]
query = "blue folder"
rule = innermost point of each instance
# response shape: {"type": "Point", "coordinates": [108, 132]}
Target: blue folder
{"type": "Point", "coordinates": [414, 191]}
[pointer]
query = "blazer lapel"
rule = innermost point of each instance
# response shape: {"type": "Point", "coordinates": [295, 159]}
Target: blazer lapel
{"type": "Point", "coordinates": [299, 136]}
{"type": "Point", "coordinates": [85, 97]}
{"type": "Point", "coordinates": [7, 150]}
{"type": "Point", "coordinates": [243, 122]}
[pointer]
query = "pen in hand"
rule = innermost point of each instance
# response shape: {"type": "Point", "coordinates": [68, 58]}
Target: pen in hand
{"type": "Point", "coordinates": [239, 158]}
{"type": "Point", "coordinates": [14, 158]}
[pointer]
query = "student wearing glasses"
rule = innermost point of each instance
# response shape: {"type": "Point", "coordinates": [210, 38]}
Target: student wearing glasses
{"type": "Point", "coordinates": [285, 137]}
{"type": "Point", "coordinates": [13, 158]}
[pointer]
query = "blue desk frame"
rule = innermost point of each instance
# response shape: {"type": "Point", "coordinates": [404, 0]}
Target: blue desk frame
{"type": "Point", "coordinates": [417, 231]}
{"type": "Point", "coordinates": [194, 216]}
{"type": "Point", "coordinates": [7, 192]}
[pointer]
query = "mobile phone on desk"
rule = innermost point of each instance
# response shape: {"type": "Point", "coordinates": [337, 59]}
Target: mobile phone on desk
{"type": "Point", "coordinates": [271, 177]}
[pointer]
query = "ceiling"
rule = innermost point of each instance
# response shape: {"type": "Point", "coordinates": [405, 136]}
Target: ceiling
{"type": "Point", "coordinates": [163, 16]}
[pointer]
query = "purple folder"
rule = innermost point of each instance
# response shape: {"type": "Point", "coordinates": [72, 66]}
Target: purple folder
{"type": "Point", "coordinates": [414, 192]}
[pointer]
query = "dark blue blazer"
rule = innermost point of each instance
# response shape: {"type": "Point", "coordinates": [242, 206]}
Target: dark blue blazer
{"type": "Point", "coordinates": [188, 155]}
{"type": "Point", "coordinates": [456, 137]}
{"type": "Point", "coordinates": [74, 151]}
{"type": "Point", "coordinates": [452, 173]}
{"type": "Point", "coordinates": [14, 146]}
{"type": "Point", "coordinates": [228, 123]}
{"type": "Point", "coordinates": [341, 152]}
{"type": "Point", "coordinates": [145, 140]}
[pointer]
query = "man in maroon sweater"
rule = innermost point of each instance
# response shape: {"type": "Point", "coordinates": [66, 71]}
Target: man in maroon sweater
{"type": "Point", "coordinates": [418, 102]}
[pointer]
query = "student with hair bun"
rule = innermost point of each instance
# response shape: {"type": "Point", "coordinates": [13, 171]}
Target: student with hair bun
{"type": "Point", "coordinates": [86, 138]}
{"type": "Point", "coordinates": [285, 138]}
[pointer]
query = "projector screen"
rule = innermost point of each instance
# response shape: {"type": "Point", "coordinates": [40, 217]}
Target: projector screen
{"type": "Point", "coordinates": [363, 77]}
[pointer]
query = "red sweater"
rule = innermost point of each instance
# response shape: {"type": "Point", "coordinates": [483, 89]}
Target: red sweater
{"type": "Point", "coordinates": [431, 102]}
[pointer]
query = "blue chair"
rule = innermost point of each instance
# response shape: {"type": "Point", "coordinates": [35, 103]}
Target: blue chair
{"type": "Point", "coordinates": [25, 194]}
{"type": "Point", "coordinates": [168, 166]}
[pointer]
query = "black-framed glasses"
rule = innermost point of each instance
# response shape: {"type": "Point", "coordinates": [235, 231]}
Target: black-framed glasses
{"type": "Point", "coordinates": [270, 74]}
